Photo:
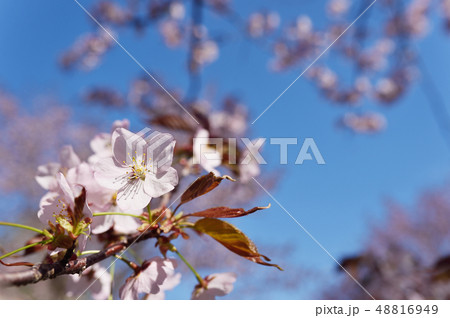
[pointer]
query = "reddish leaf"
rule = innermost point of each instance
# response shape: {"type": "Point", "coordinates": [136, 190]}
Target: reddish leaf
{"type": "Point", "coordinates": [201, 186]}
{"type": "Point", "coordinates": [225, 212]}
{"type": "Point", "coordinates": [232, 238]}
{"type": "Point", "coordinates": [173, 122]}
{"type": "Point", "coordinates": [441, 269]}
{"type": "Point", "coordinates": [352, 264]}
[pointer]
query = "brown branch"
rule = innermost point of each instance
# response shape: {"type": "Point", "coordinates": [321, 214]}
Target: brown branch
{"type": "Point", "coordinates": [40, 272]}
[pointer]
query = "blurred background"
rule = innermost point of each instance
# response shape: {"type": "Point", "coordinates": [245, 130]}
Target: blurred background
{"type": "Point", "coordinates": [376, 104]}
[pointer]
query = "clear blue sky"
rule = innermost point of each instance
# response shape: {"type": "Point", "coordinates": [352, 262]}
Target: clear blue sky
{"type": "Point", "coordinates": [336, 202]}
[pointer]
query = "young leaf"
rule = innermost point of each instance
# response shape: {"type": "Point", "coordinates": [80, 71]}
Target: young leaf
{"type": "Point", "coordinates": [232, 238]}
{"type": "Point", "coordinates": [80, 201]}
{"type": "Point", "coordinates": [226, 212]}
{"type": "Point", "coordinates": [201, 186]}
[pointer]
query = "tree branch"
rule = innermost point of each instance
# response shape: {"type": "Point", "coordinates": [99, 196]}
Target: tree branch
{"type": "Point", "coordinates": [40, 272]}
{"type": "Point", "coordinates": [195, 38]}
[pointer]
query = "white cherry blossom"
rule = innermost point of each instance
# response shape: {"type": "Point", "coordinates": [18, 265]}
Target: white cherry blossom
{"type": "Point", "coordinates": [140, 169]}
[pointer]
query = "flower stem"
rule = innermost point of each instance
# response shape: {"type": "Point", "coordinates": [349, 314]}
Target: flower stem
{"type": "Point", "coordinates": [132, 265]}
{"type": "Point", "coordinates": [197, 275]}
{"type": "Point", "coordinates": [26, 227]}
{"type": "Point", "coordinates": [134, 255]}
{"type": "Point", "coordinates": [24, 248]}
{"type": "Point", "coordinates": [150, 217]}
{"type": "Point", "coordinates": [118, 213]}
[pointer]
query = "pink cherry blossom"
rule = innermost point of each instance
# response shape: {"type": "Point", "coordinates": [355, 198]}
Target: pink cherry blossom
{"type": "Point", "coordinates": [101, 199]}
{"type": "Point", "coordinates": [139, 177]}
{"type": "Point", "coordinates": [61, 204]}
{"type": "Point", "coordinates": [231, 121]}
{"type": "Point", "coordinates": [46, 174]}
{"type": "Point", "coordinates": [219, 284]}
{"type": "Point", "coordinates": [98, 197]}
{"type": "Point", "coordinates": [149, 279]}
{"type": "Point", "coordinates": [101, 144]}
{"type": "Point", "coordinates": [95, 279]}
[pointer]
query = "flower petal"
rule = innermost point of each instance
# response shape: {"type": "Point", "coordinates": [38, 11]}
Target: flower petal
{"type": "Point", "coordinates": [126, 145]}
{"type": "Point", "coordinates": [159, 151]}
{"type": "Point", "coordinates": [101, 224]}
{"type": "Point", "coordinates": [46, 175]}
{"type": "Point", "coordinates": [219, 284]}
{"type": "Point", "coordinates": [125, 224]}
{"type": "Point", "coordinates": [132, 196]}
{"type": "Point", "coordinates": [158, 185]}
{"type": "Point", "coordinates": [129, 291]}
{"type": "Point", "coordinates": [109, 175]}
{"type": "Point", "coordinates": [124, 123]}
{"type": "Point", "coordinates": [68, 157]}
{"type": "Point", "coordinates": [48, 207]}
{"type": "Point", "coordinates": [101, 145]}
{"type": "Point", "coordinates": [64, 188]}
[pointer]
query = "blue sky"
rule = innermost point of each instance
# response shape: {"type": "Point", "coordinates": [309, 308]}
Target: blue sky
{"type": "Point", "coordinates": [336, 202]}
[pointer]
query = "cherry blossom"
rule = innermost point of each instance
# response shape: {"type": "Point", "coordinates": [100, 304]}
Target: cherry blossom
{"type": "Point", "coordinates": [101, 199]}
{"type": "Point", "coordinates": [171, 31]}
{"type": "Point", "coordinates": [172, 280]}
{"type": "Point", "coordinates": [98, 197]}
{"type": "Point", "coordinates": [204, 53]}
{"type": "Point", "coordinates": [364, 123]}
{"type": "Point", "coordinates": [108, 12]}
{"type": "Point", "coordinates": [231, 122]}
{"type": "Point", "coordinates": [88, 51]}
{"type": "Point", "coordinates": [151, 276]}
{"type": "Point", "coordinates": [101, 144]}
{"type": "Point", "coordinates": [145, 175]}
{"type": "Point", "coordinates": [338, 7]}
{"type": "Point", "coordinates": [95, 279]}
{"type": "Point", "coordinates": [219, 284]}
{"type": "Point", "coordinates": [61, 207]}
{"type": "Point", "coordinates": [46, 174]}
{"type": "Point", "coordinates": [260, 24]}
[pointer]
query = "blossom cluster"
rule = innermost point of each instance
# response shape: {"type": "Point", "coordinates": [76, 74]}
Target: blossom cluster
{"type": "Point", "coordinates": [101, 205]}
{"type": "Point", "coordinates": [109, 195]}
